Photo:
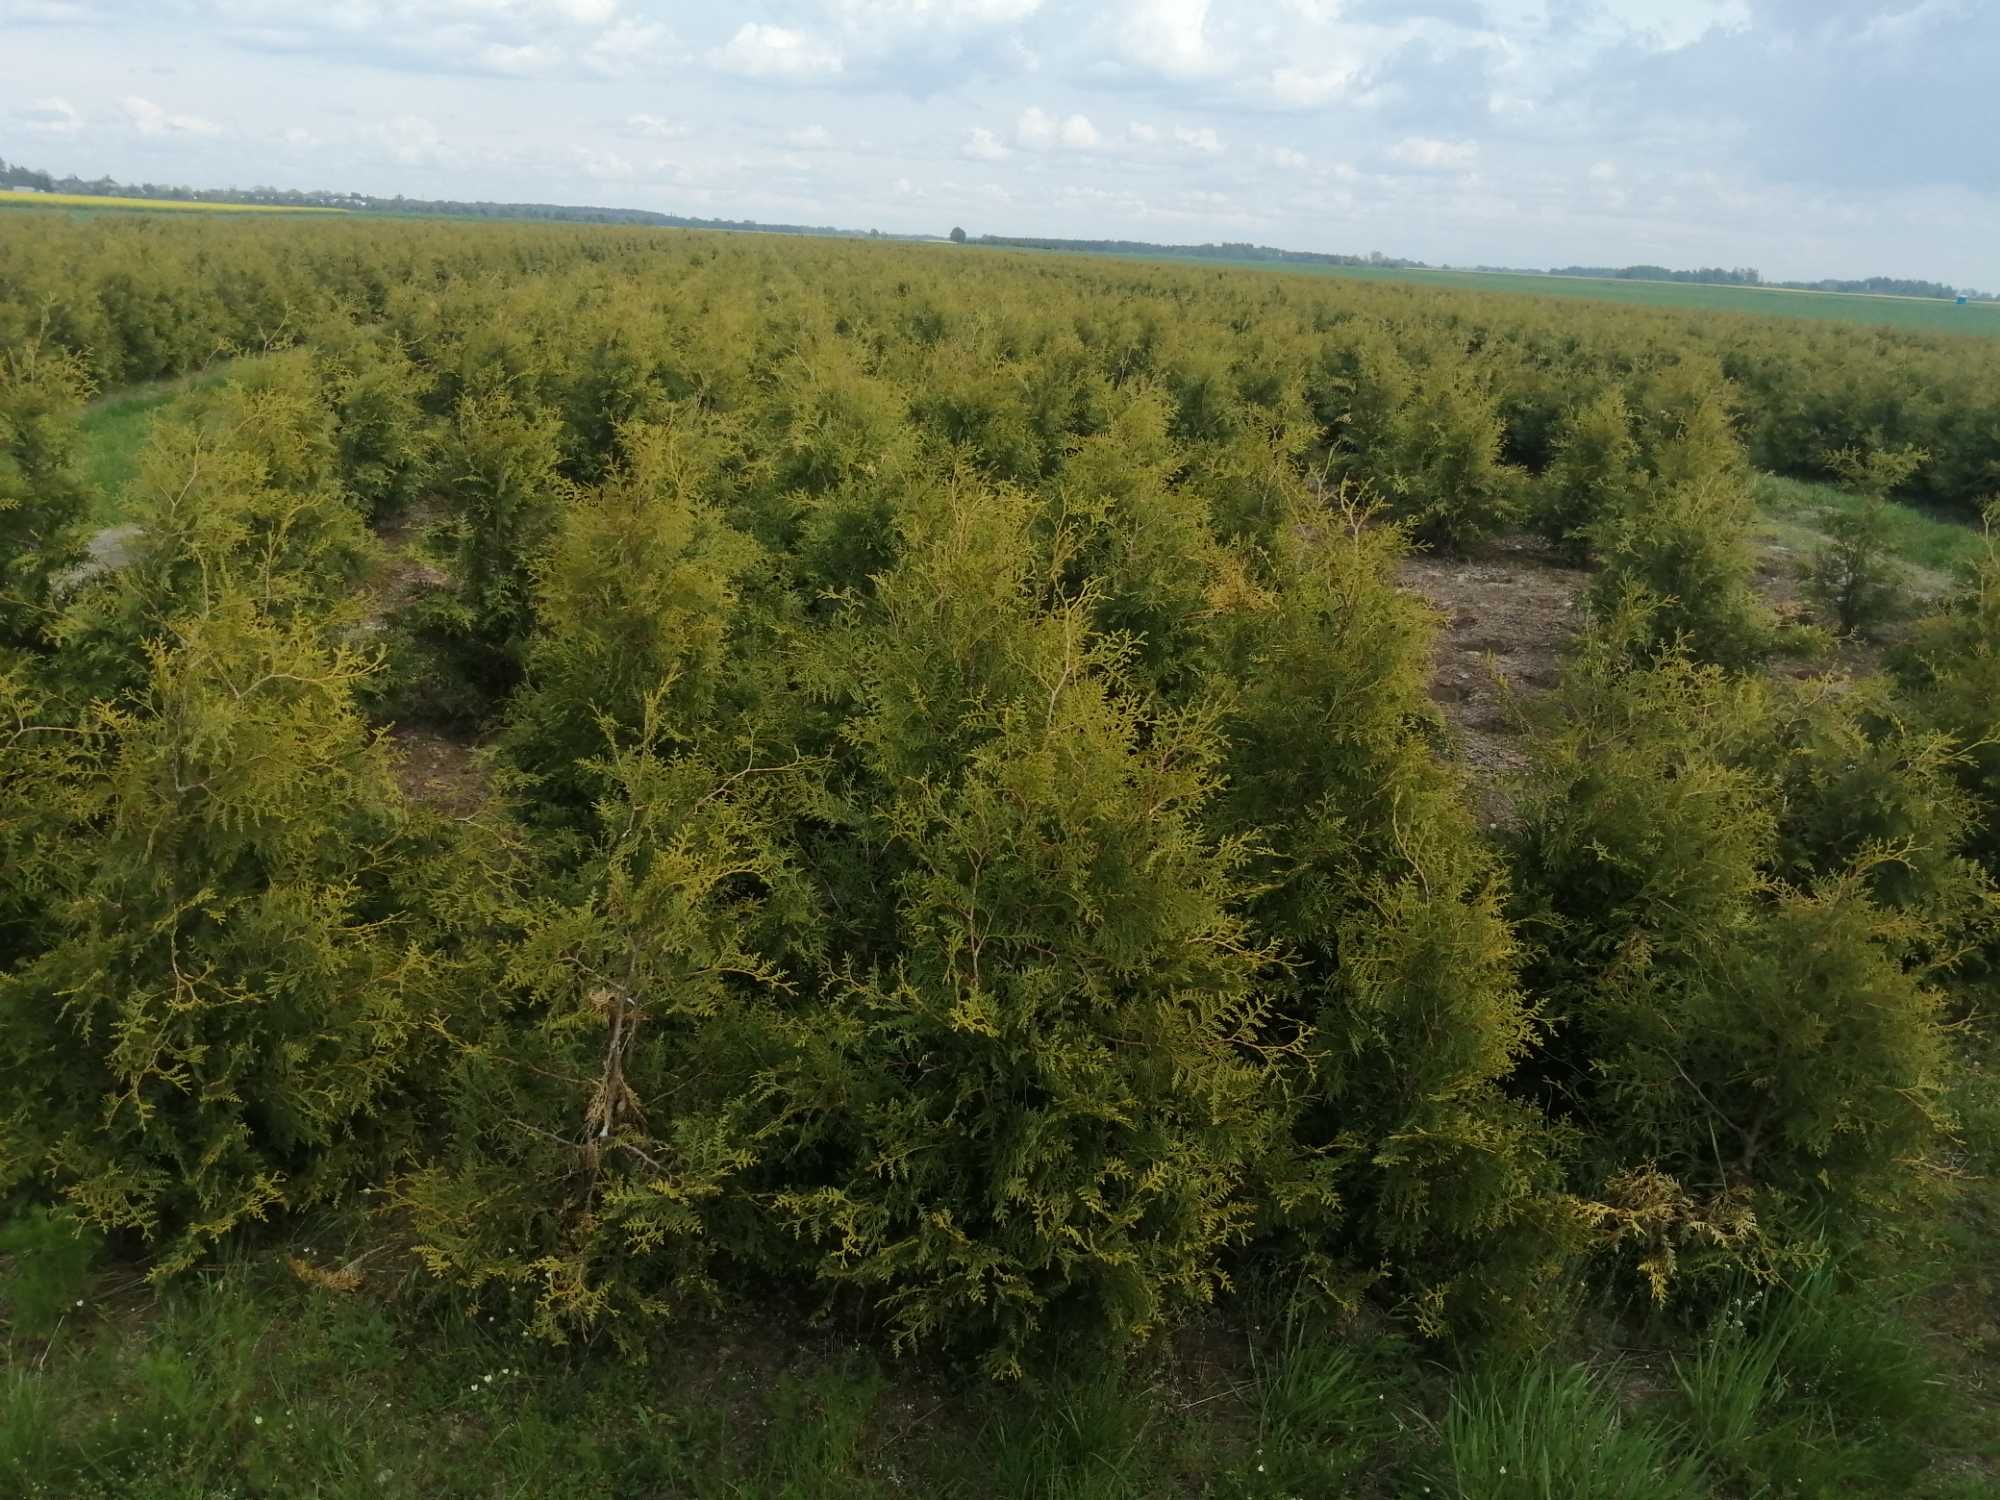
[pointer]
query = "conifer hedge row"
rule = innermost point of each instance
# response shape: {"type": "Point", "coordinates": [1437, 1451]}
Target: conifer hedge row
{"type": "Point", "coordinates": [963, 827]}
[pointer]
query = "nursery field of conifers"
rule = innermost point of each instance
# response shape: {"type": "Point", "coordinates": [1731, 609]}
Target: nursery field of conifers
{"type": "Point", "coordinates": [629, 781]}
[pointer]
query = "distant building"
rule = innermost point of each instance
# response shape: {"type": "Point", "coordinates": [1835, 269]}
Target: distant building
{"type": "Point", "coordinates": [1963, 299]}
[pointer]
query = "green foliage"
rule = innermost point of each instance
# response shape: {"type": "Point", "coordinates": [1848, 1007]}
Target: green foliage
{"type": "Point", "coordinates": [1816, 1388]}
{"type": "Point", "coordinates": [1682, 558]}
{"type": "Point", "coordinates": [1593, 477]}
{"type": "Point", "coordinates": [497, 475]}
{"type": "Point", "coordinates": [42, 495]}
{"type": "Point", "coordinates": [1426, 438]}
{"type": "Point", "coordinates": [1950, 667]}
{"type": "Point", "coordinates": [1405, 967]}
{"type": "Point", "coordinates": [964, 831]}
{"type": "Point", "coordinates": [612, 1050]}
{"type": "Point", "coordinates": [635, 601]}
{"type": "Point", "coordinates": [1050, 1095]}
{"type": "Point", "coordinates": [1854, 578]}
{"type": "Point", "coordinates": [216, 1018]}
{"type": "Point", "coordinates": [1739, 1022]}
{"type": "Point", "coordinates": [384, 438]}
{"type": "Point", "coordinates": [1875, 471]}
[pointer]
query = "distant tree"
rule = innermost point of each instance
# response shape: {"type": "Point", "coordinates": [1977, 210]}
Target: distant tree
{"type": "Point", "coordinates": [957, 235]}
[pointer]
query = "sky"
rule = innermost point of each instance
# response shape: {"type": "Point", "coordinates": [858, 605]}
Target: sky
{"type": "Point", "coordinates": [1806, 138]}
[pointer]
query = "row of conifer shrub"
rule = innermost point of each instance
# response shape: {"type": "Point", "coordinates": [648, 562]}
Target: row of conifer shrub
{"type": "Point", "coordinates": [139, 298]}
{"type": "Point", "coordinates": [965, 828]}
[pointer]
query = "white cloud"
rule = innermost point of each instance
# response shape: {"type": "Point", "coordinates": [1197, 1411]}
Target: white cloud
{"type": "Point", "coordinates": [149, 118]}
{"type": "Point", "coordinates": [1145, 135]}
{"type": "Point", "coordinates": [299, 138]}
{"type": "Point", "coordinates": [1204, 141]}
{"type": "Point", "coordinates": [654, 128]}
{"type": "Point", "coordinates": [1287, 157]}
{"type": "Point", "coordinates": [760, 51]}
{"type": "Point", "coordinates": [604, 166]}
{"type": "Point", "coordinates": [1309, 87]}
{"type": "Point", "coordinates": [623, 47]}
{"type": "Point", "coordinates": [50, 116]}
{"type": "Point", "coordinates": [528, 58]}
{"type": "Point", "coordinates": [583, 12]}
{"type": "Point", "coordinates": [1669, 25]}
{"type": "Point", "coordinates": [1603, 171]}
{"type": "Point", "coordinates": [942, 13]}
{"type": "Point", "coordinates": [809, 138]}
{"type": "Point", "coordinates": [1168, 37]}
{"type": "Point", "coordinates": [52, 11]}
{"type": "Point", "coordinates": [414, 141]}
{"type": "Point", "coordinates": [1078, 133]}
{"type": "Point", "coordinates": [1040, 131]}
{"type": "Point", "coordinates": [982, 144]}
{"type": "Point", "coordinates": [1429, 154]}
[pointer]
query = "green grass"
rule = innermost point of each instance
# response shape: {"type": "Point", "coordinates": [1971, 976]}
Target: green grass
{"type": "Point", "coordinates": [1795, 512]}
{"type": "Point", "coordinates": [251, 1381]}
{"type": "Point", "coordinates": [1541, 1431]}
{"type": "Point", "coordinates": [248, 1381]}
{"type": "Point", "coordinates": [115, 427]}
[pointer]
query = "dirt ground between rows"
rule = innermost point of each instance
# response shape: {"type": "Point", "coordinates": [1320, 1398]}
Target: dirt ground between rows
{"type": "Point", "coordinates": [1508, 613]}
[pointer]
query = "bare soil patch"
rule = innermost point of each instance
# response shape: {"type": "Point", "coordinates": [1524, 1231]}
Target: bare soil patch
{"type": "Point", "coordinates": [438, 772]}
{"type": "Point", "coordinates": [1508, 613]}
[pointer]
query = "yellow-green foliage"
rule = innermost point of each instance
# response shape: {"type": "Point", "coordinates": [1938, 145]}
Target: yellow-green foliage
{"type": "Point", "coordinates": [634, 600]}
{"type": "Point", "coordinates": [1594, 476]}
{"type": "Point", "coordinates": [215, 997]}
{"type": "Point", "coordinates": [959, 827]}
{"type": "Point", "coordinates": [1740, 946]}
{"type": "Point", "coordinates": [1044, 1099]}
{"type": "Point", "coordinates": [42, 496]}
{"type": "Point", "coordinates": [1402, 964]}
{"type": "Point", "coordinates": [1951, 668]}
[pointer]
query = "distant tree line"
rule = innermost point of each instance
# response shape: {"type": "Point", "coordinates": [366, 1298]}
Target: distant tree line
{"type": "Point", "coordinates": [1229, 251]}
{"type": "Point", "coordinates": [1880, 286]}
{"type": "Point", "coordinates": [16, 176]}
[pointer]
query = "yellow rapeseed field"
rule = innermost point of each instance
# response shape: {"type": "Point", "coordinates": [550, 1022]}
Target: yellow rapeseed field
{"type": "Point", "coordinates": [15, 199]}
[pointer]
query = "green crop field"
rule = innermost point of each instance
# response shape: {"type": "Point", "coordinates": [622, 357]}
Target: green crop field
{"type": "Point", "coordinates": [1922, 314]}
{"type": "Point", "coordinates": [13, 199]}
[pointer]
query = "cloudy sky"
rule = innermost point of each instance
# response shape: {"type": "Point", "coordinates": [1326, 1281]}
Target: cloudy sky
{"type": "Point", "coordinates": [1804, 137]}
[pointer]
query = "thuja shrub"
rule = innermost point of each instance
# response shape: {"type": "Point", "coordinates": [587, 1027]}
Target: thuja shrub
{"type": "Point", "coordinates": [1593, 476]}
{"type": "Point", "coordinates": [1037, 1110]}
{"type": "Point", "coordinates": [1747, 1033]}
{"type": "Point", "coordinates": [1949, 670]}
{"type": "Point", "coordinates": [605, 1111]}
{"type": "Point", "coordinates": [967, 397]}
{"type": "Point", "coordinates": [503, 496]}
{"type": "Point", "coordinates": [1865, 786]}
{"type": "Point", "coordinates": [210, 515]}
{"type": "Point", "coordinates": [385, 441]}
{"type": "Point", "coordinates": [1686, 548]}
{"type": "Point", "coordinates": [634, 604]}
{"type": "Point", "coordinates": [1684, 415]}
{"type": "Point", "coordinates": [1402, 971]}
{"type": "Point", "coordinates": [1426, 438]}
{"type": "Point", "coordinates": [43, 499]}
{"type": "Point", "coordinates": [218, 1011]}
{"type": "Point", "coordinates": [1855, 577]}
{"type": "Point", "coordinates": [1122, 529]}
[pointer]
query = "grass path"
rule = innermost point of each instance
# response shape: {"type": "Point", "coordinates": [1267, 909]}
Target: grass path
{"type": "Point", "coordinates": [116, 425]}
